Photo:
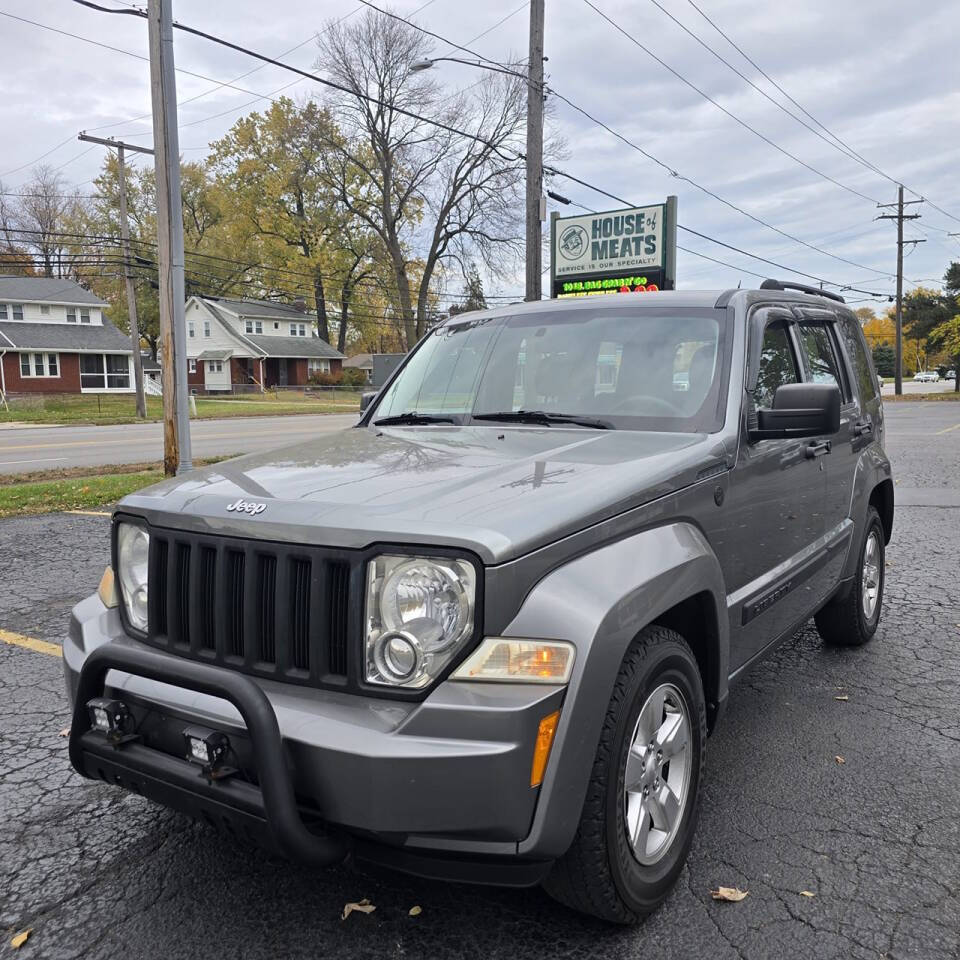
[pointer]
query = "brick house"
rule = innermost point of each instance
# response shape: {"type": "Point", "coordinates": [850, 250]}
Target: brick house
{"type": "Point", "coordinates": [55, 338]}
{"type": "Point", "coordinates": [244, 344]}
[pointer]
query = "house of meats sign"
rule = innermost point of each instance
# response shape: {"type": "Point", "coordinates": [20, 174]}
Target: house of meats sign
{"type": "Point", "coordinates": [617, 251]}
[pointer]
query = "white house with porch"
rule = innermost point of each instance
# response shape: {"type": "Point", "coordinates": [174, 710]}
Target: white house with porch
{"type": "Point", "coordinates": [253, 344]}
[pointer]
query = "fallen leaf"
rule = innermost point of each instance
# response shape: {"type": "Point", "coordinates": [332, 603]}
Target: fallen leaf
{"type": "Point", "coordinates": [20, 939]}
{"type": "Point", "coordinates": [415, 911]}
{"type": "Point", "coordinates": [807, 893]}
{"type": "Point", "coordinates": [839, 759]}
{"type": "Point", "coordinates": [364, 906]}
{"type": "Point", "coordinates": [730, 894]}
{"type": "Point", "coordinates": [842, 696]}
{"type": "Point", "coordinates": [65, 732]}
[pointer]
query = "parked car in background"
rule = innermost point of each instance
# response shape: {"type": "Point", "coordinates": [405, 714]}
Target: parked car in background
{"type": "Point", "coordinates": [926, 376]}
{"type": "Point", "coordinates": [950, 375]}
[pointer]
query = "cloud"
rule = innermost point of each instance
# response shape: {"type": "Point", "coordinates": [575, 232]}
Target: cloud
{"type": "Point", "coordinates": [885, 82]}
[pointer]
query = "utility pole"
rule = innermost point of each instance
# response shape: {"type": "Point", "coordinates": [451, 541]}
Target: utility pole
{"type": "Point", "coordinates": [535, 151]}
{"type": "Point", "coordinates": [899, 216]}
{"type": "Point", "coordinates": [170, 260]}
{"type": "Point", "coordinates": [128, 262]}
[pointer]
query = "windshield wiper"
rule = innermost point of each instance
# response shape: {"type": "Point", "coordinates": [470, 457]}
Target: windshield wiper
{"type": "Point", "coordinates": [543, 418]}
{"type": "Point", "coordinates": [412, 419]}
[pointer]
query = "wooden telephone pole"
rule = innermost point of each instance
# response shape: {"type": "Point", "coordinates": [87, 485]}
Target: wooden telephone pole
{"type": "Point", "coordinates": [170, 258]}
{"type": "Point", "coordinates": [534, 203]}
{"type": "Point", "coordinates": [127, 261]}
{"type": "Point", "coordinates": [900, 216]}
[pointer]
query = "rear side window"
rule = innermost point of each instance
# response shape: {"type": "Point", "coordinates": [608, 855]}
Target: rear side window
{"type": "Point", "coordinates": [820, 356]}
{"type": "Point", "coordinates": [777, 364]}
{"type": "Point", "coordinates": [856, 351]}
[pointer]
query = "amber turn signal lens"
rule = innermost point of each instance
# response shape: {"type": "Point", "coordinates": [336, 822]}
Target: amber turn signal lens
{"type": "Point", "coordinates": [541, 752]}
{"type": "Point", "coordinates": [108, 589]}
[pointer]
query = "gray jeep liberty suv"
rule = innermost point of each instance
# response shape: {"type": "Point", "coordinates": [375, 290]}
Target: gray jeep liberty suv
{"type": "Point", "coordinates": [483, 635]}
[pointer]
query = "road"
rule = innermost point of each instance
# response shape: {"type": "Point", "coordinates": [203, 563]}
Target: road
{"type": "Point", "coordinates": [911, 388]}
{"type": "Point", "coordinates": [24, 449]}
{"type": "Point", "coordinates": [98, 874]}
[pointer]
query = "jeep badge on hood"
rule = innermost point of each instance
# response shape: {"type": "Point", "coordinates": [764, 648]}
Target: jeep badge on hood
{"type": "Point", "coordinates": [244, 506]}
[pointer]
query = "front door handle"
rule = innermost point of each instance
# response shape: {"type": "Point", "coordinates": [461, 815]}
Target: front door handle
{"type": "Point", "coordinates": [816, 449]}
{"type": "Point", "coordinates": [862, 428]}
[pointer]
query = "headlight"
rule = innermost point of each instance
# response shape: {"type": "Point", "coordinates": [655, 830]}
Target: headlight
{"type": "Point", "coordinates": [420, 610]}
{"type": "Point", "coordinates": [133, 553]}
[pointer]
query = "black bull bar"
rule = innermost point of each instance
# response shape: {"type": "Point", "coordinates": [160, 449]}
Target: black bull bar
{"type": "Point", "coordinates": [268, 813]}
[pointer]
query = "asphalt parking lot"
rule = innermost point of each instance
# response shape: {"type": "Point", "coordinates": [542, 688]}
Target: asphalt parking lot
{"type": "Point", "coordinates": [96, 873]}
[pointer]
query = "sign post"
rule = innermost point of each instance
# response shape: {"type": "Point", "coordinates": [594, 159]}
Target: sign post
{"type": "Point", "coordinates": [615, 251]}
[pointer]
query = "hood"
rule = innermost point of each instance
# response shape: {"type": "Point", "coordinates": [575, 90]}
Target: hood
{"type": "Point", "coordinates": [500, 491]}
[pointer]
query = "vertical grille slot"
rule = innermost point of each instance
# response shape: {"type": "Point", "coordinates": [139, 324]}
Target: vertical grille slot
{"type": "Point", "coordinates": [267, 587]}
{"type": "Point", "coordinates": [338, 607]}
{"type": "Point", "coordinates": [300, 576]}
{"type": "Point", "coordinates": [234, 602]}
{"type": "Point", "coordinates": [158, 590]}
{"type": "Point", "coordinates": [182, 587]}
{"type": "Point", "coordinates": [207, 598]}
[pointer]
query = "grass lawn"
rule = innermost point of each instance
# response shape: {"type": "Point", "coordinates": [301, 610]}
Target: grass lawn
{"type": "Point", "coordinates": [121, 408]}
{"type": "Point", "coordinates": [76, 488]}
{"type": "Point", "coordinates": [80, 493]}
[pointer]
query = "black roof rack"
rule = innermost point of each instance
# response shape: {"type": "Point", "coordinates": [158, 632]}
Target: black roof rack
{"type": "Point", "coordinates": [802, 287]}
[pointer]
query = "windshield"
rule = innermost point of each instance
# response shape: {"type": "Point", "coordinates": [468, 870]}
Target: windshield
{"type": "Point", "coordinates": [626, 369]}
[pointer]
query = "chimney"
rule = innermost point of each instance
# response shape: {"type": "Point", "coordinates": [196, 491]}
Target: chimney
{"type": "Point", "coordinates": [299, 303]}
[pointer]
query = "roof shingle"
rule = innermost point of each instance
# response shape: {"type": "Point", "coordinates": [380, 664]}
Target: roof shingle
{"type": "Point", "coordinates": [45, 290]}
{"type": "Point", "coordinates": [263, 308]}
{"type": "Point", "coordinates": [65, 337]}
{"type": "Point", "coordinates": [294, 347]}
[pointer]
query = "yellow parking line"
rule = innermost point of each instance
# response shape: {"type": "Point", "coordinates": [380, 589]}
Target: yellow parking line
{"type": "Point", "coordinates": [88, 513]}
{"type": "Point", "coordinates": [956, 426]}
{"type": "Point", "coordinates": [31, 643]}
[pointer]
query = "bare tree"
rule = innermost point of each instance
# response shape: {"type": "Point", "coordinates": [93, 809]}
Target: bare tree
{"type": "Point", "coordinates": [429, 194]}
{"type": "Point", "coordinates": [38, 220]}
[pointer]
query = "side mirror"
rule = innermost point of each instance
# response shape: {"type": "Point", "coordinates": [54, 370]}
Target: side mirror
{"type": "Point", "coordinates": [800, 410]}
{"type": "Point", "coordinates": [366, 399]}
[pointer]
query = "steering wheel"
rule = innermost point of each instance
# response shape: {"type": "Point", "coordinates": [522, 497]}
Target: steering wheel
{"type": "Point", "coordinates": [658, 404]}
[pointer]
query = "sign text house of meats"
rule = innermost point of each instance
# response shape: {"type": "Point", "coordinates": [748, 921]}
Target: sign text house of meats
{"type": "Point", "coordinates": [618, 241]}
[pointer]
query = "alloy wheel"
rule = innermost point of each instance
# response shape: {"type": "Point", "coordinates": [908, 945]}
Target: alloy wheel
{"type": "Point", "coordinates": [658, 773]}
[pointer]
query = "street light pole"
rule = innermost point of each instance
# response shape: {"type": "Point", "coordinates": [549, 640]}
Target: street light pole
{"type": "Point", "coordinates": [170, 257]}
{"type": "Point", "coordinates": [534, 152]}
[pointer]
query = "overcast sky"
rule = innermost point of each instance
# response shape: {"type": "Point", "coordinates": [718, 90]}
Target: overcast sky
{"type": "Point", "coordinates": [880, 74]}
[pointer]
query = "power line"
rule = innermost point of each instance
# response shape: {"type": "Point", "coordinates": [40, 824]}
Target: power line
{"type": "Point", "coordinates": [716, 196]}
{"type": "Point", "coordinates": [220, 85]}
{"type": "Point", "coordinates": [800, 107]}
{"type": "Point", "coordinates": [449, 128]}
{"type": "Point", "coordinates": [704, 236]}
{"type": "Point", "coordinates": [42, 156]}
{"type": "Point", "coordinates": [323, 81]}
{"type": "Point", "coordinates": [835, 143]}
{"type": "Point", "coordinates": [706, 96]}
{"type": "Point", "coordinates": [78, 240]}
{"type": "Point", "coordinates": [630, 143]}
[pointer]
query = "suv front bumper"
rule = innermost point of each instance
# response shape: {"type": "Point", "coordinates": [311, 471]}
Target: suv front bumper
{"type": "Point", "coordinates": [439, 788]}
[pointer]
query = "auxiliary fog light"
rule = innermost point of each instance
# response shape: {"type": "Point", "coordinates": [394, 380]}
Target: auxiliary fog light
{"type": "Point", "coordinates": [108, 716]}
{"type": "Point", "coordinates": [206, 747]}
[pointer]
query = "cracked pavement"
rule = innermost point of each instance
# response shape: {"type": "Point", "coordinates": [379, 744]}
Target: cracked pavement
{"type": "Point", "coordinates": [97, 873]}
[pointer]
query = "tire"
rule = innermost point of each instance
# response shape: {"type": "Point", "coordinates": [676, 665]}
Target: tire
{"type": "Point", "coordinates": [600, 874]}
{"type": "Point", "coordinates": [851, 620]}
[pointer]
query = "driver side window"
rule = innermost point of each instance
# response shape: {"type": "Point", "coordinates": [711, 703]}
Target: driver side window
{"type": "Point", "coordinates": [778, 364]}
